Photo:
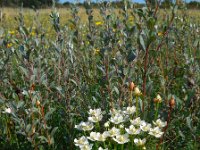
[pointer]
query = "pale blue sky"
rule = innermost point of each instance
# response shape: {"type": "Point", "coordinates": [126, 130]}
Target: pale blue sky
{"type": "Point", "coordinates": [138, 1]}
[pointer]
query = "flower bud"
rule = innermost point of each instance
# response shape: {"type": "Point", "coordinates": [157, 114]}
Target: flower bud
{"type": "Point", "coordinates": [121, 126]}
{"type": "Point", "coordinates": [158, 99]}
{"type": "Point", "coordinates": [144, 148]}
{"type": "Point", "coordinates": [155, 100]}
{"type": "Point", "coordinates": [137, 91]}
{"type": "Point", "coordinates": [172, 102]}
{"type": "Point", "coordinates": [33, 129]}
{"type": "Point", "coordinates": [38, 103]}
{"type": "Point", "coordinates": [131, 86]}
{"type": "Point", "coordinates": [32, 87]}
{"type": "Point", "coordinates": [107, 124]}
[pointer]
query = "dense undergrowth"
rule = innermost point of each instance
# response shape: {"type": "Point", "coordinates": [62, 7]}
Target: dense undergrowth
{"type": "Point", "coordinates": [48, 84]}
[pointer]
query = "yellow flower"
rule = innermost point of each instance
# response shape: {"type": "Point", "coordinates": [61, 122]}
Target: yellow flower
{"type": "Point", "coordinates": [160, 33]}
{"type": "Point", "coordinates": [87, 42]}
{"type": "Point", "coordinates": [46, 46]}
{"type": "Point", "coordinates": [11, 32]}
{"type": "Point", "coordinates": [120, 42]}
{"type": "Point", "coordinates": [71, 26]}
{"type": "Point", "coordinates": [32, 33]}
{"type": "Point", "coordinates": [9, 45]}
{"type": "Point", "coordinates": [98, 23]}
{"type": "Point", "coordinates": [96, 51]}
{"type": "Point", "coordinates": [131, 19]}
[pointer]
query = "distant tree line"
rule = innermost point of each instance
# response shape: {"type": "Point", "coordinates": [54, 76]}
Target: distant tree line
{"type": "Point", "coordinates": [117, 3]}
{"type": "Point", "coordinates": [191, 4]}
{"type": "Point", "coordinates": [27, 3]}
{"type": "Point", "coordinates": [163, 4]}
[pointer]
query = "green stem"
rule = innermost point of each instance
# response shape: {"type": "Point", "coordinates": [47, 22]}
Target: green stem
{"type": "Point", "coordinates": [104, 144]}
{"type": "Point", "coordinates": [98, 126]}
{"type": "Point", "coordinates": [96, 145]}
{"type": "Point", "coordinates": [109, 144]}
{"type": "Point", "coordinates": [156, 114]}
{"type": "Point", "coordinates": [115, 147]}
{"type": "Point", "coordinates": [131, 98]}
{"type": "Point", "coordinates": [84, 133]}
{"type": "Point", "coordinates": [132, 141]}
{"type": "Point", "coordinates": [122, 147]}
{"type": "Point", "coordinates": [137, 106]}
{"type": "Point", "coordinates": [129, 145]}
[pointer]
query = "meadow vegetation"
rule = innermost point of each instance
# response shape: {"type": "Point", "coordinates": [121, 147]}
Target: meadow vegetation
{"type": "Point", "coordinates": [100, 78]}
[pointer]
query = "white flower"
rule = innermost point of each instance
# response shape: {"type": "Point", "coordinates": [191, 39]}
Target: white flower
{"type": "Point", "coordinates": [139, 142]}
{"type": "Point", "coordinates": [181, 19]}
{"type": "Point", "coordinates": [96, 115]}
{"type": "Point", "coordinates": [145, 126]}
{"type": "Point", "coordinates": [107, 124]}
{"type": "Point", "coordinates": [92, 136]}
{"type": "Point", "coordinates": [86, 146]}
{"type": "Point", "coordinates": [132, 130]}
{"type": "Point", "coordinates": [137, 121]}
{"type": "Point", "coordinates": [95, 118]}
{"type": "Point", "coordinates": [100, 148]}
{"type": "Point", "coordinates": [113, 132]}
{"type": "Point", "coordinates": [160, 123]}
{"type": "Point", "coordinates": [94, 112]}
{"type": "Point", "coordinates": [96, 136]}
{"type": "Point", "coordinates": [8, 110]}
{"type": "Point", "coordinates": [121, 139]}
{"type": "Point", "coordinates": [102, 137]}
{"type": "Point", "coordinates": [156, 132]}
{"type": "Point", "coordinates": [24, 92]}
{"type": "Point", "coordinates": [81, 141]}
{"type": "Point", "coordinates": [70, 45]}
{"type": "Point", "coordinates": [117, 119]}
{"type": "Point", "coordinates": [113, 112]}
{"type": "Point", "coordinates": [85, 126]}
{"type": "Point", "coordinates": [130, 110]}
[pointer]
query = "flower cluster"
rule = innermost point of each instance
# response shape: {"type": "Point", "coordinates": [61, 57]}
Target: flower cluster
{"type": "Point", "coordinates": [122, 127]}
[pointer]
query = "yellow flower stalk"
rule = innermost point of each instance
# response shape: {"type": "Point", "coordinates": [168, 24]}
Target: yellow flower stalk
{"type": "Point", "coordinates": [131, 18]}
{"type": "Point", "coordinates": [96, 51]}
{"type": "Point", "coordinates": [11, 32]}
{"type": "Point", "coordinates": [98, 23]}
{"type": "Point", "coordinates": [72, 26]}
{"type": "Point", "coordinates": [160, 33]}
{"type": "Point", "coordinates": [32, 33]}
{"type": "Point", "coordinates": [9, 45]}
